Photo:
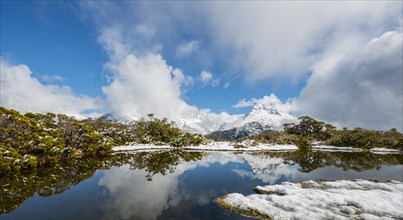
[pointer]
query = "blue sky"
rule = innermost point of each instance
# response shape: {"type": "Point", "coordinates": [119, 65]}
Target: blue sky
{"type": "Point", "coordinates": [103, 54]}
{"type": "Point", "coordinates": [51, 40]}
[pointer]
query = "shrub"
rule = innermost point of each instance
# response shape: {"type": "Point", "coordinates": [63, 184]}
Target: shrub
{"type": "Point", "coordinates": [32, 140]}
{"type": "Point", "coordinates": [303, 144]}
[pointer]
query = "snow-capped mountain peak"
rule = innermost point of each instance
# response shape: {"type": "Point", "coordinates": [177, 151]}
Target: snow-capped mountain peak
{"type": "Point", "coordinates": [260, 119]}
{"type": "Point", "coordinates": [260, 108]}
{"type": "Point", "coordinates": [268, 117]}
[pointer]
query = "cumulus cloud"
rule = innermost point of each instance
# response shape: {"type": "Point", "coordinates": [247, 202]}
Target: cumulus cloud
{"type": "Point", "coordinates": [140, 81]}
{"type": "Point", "coordinates": [186, 49]}
{"type": "Point", "coordinates": [259, 40]}
{"type": "Point", "coordinates": [23, 92]}
{"type": "Point", "coordinates": [359, 88]}
{"type": "Point", "coordinates": [207, 79]}
{"type": "Point", "coordinates": [283, 39]}
{"type": "Point", "coordinates": [270, 100]}
{"type": "Point", "coordinates": [182, 79]}
{"type": "Point", "coordinates": [142, 85]}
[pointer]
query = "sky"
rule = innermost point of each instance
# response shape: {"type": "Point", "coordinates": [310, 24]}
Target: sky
{"type": "Point", "coordinates": [340, 62]}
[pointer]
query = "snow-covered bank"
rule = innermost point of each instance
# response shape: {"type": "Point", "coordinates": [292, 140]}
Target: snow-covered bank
{"type": "Point", "coordinates": [141, 147]}
{"type": "Point", "coordinates": [213, 146]}
{"type": "Point", "coordinates": [357, 199]}
{"type": "Point", "coordinates": [250, 146]}
{"type": "Point", "coordinates": [330, 148]}
{"type": "Point", "coordinates": [385, 151]}
{"type": "Point", "coordinates": [378, 150]}
{"type": "Point", "coordinates": [243, 146]}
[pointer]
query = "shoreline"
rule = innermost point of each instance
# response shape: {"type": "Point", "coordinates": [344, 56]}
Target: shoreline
{"type": "Point", "coordinates": [245, 147]}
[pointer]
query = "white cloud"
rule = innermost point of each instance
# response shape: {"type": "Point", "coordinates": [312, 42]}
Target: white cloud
{"type": "Point", "coordinates": [182, 79]}
{"type": "Point", "coordinates": [144, 85]}
{"type": "Point", "coordinates": [23, 92]}
{"type": "Point", "coordinates": [52, 78]}
{"type": "Point", "coordinates": [207, 79]}
{"type": "Point", "coordinates": [145, 31]}
{"type": "Point", "coordinates": [359, 88]}
{"type": "Point", "coordinates": [228, 84]}
{"type": "Point", "coordinates": [283, 39]}
{"type": "Point", "coordinates": [141, 81]}
{"type": "Point", "coordinates": [270, 100]}
{"type": "Point", "coordinates": [186, 49]}
{"type": "Point", "coordinates": [260, 40]}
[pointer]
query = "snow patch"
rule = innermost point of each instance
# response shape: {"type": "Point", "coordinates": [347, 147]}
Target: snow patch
{"type": "Point", "coordinates": [385, 151]}
{"type": "Point", "coordinates": [212, 146]}
{"type": "Point", "coordinates": [249, 145]}
{"type": "Point", "coordinates": [344, 199]}
{"type": "Point", "coordinates": [331, 148]}
{"type": "Point", "coordinates": [141, 147]}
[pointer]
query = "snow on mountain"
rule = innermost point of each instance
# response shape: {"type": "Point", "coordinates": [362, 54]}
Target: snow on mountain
{"type": "Point", "coordinates": [127, 119]}
{"type": "Point", "coordinates": [266, 116]}
{"type": "Point", "coordinates": [200, 122]}
{"type": "Point", "coordinates": [205, 122]}
{"type": "Point", "coordinates": [260, 119]}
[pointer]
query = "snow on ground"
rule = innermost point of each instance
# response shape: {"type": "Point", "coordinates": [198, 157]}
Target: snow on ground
{"type": "Point", "coordinates": [378, 150]}
{"type": "Point", "coordinates": [140, 147]}
{"type": "Point", "coordinates": [330, 148]}
{"type": "Point", "coordinates": [213, 146]}
{"type": "Point", "coordinates": [344, 199]}
{"type": "Point", "coordinates": [248, 145]}
{"type": "Point", "coordinates": [384, 151]}
{"type": "Point", "coordinates": [228, 146]}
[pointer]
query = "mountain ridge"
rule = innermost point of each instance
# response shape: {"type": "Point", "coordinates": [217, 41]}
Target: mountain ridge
{"type": "Point", "coordinates": [260, 119]}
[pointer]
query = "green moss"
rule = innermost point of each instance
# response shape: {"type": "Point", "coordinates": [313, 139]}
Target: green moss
{"type": "Point", "coordinates": [251, 212]}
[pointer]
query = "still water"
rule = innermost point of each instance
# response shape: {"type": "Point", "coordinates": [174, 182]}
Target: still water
{"type": "Point", "coordinates": [174, 184]}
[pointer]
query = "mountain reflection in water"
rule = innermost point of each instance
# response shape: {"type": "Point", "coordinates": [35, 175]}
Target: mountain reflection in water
{"type": "Point", "coordinates": [175, 184]}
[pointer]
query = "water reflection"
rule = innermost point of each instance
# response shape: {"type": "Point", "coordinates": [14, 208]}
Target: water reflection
{"type": "Point", "coordinates": [156, 162]}
{"type": "Point", "coordinates": [146, 184]}
{"type": "Point", "coordinates": [267, 168]}
{"type": "Point", "coordinates": [180, 184]}
{"type": "Point", "coordinates": [16, 188]}
{"type": "Point", "coordinates": [357, 161]}
{"type": "Point", "coordinates": [136, 195]}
